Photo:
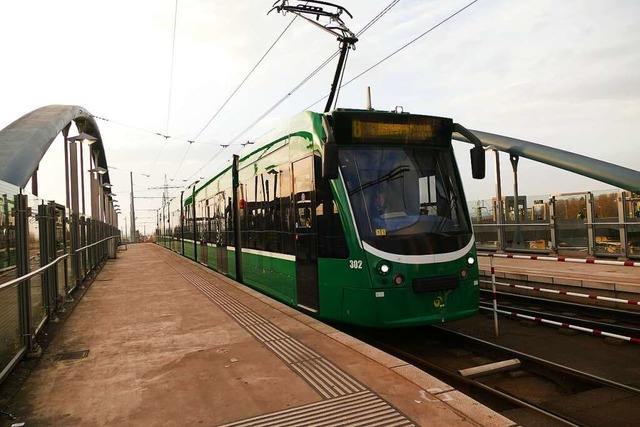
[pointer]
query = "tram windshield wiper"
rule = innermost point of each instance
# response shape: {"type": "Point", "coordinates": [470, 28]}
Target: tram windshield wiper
{"type": "Point", "coordinates": [393, 174]}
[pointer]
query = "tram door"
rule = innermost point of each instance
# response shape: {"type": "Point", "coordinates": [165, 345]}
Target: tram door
{"type": "Point", "coordinates": [305, 234]}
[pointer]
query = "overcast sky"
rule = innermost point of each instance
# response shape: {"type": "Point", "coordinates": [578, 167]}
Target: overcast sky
{"type": "Point", "coordinates": [559, 73]}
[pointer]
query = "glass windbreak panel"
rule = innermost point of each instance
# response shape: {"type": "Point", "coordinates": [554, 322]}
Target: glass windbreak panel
{"type": "Point", "coordinates": [484, 220]}
{"type": "Point", "coordinates": [37, 297]}
{"type": "Point", "coordinates": [571, 222]}
{"type": "Point", "coordinates": [10, 338]}
{"type": "Point", "coordinates": [531, 229]}
{"type": "Point", "coordinates": [606, 223]}
{"type": "Point", "coordinates": [632, 208]}
{"type": "Point", "coordinates": [406, 200]}
{"type": "Point", "coordinates": [7, 239]}
{"type": "Point", "coordinates": [71, 281]}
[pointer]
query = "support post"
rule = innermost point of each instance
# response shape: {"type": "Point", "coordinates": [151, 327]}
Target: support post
{"type": "Point", "coordinates": [133, 213]}
{"type": "Point", "coordinates": [494, 297]}
{"type": "Point", "coordinates": [622, 220]}
{"type": "Point", "coordinates": [517, 234]}
{"type": "Point", "coordinates": [83, 243]}
{"type": "Point", "coordinates": [553, 225]}
{"type": "Point", "coordinates": [75, 244]}
{"type": "Point", "coordinates": [591, 227]}
{"type": "Point", "coordinates": [23, 267]}
{"type": "Point", "coordinates": [65, 134]}
{"type": "Point", "coordinates": [82, 178]}
{"type": "Point", "coordinates": [53, 254]}
{"type": "Point", "coordinates": [499, 210]}
{"type": "Point", "coordinates": [45, 257]}
{"type": "Point", "coordinates": [236, 217]}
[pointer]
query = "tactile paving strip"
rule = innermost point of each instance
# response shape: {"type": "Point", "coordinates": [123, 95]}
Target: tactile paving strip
{"type": "Point", "coordinates": [360, 409]}
{"type": "Point", "coordinates": [347, 401]}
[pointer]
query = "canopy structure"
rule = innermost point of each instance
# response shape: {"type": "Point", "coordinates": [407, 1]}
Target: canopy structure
{"type": "Point", "coordinates": [24, 142]}
{"type": "Point", "coordinates": [619, 176]}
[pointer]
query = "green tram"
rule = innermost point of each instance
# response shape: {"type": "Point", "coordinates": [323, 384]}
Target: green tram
{"type": "Point", "coordinates": [357, 216]}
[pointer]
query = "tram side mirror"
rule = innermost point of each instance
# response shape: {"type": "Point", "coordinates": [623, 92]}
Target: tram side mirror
{"type": "Point", "coordinates": [330, 160]}
{"type": "Point", "coordinates": [477, 162]}
{"type": "Point", "coordinates": [477, 152]}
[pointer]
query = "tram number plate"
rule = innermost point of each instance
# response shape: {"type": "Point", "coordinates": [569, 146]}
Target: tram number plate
{"type": "Point", "coordinates": [355, 264]}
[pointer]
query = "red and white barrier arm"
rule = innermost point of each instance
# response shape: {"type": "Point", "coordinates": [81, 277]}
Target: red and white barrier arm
{"type": "Point", "coordinates": [563, 259]}
{"type": "Point", "coordinates": [567, 326]}
{"type": "Point", "coordinates": [571, 294]}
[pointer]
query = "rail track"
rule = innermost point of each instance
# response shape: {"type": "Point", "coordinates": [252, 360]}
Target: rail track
{"type": "Point", "coordinates": [533, 392]}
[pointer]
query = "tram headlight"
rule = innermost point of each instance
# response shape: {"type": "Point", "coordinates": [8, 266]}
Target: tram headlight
{"type": "Point", "coordinates": [470, 261]}
{"type": "Point", "coordinates": [384, 268]}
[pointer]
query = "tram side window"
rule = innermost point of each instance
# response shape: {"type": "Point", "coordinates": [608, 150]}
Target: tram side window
{"type": "Point", "coordinates": [218, 220]}
{"type": "Point", "coordinates": [228, 218]}
{"type": "Point", "coordinates": [288, 233]}
{"type": "Point", "coordinates": [203, 219]}
{"type": "Point", "coordinates": [331, 239]}
{"type": "Point", "coordinates": [272, 215]}
{"type": "Point", "coordinates": [248, 220]}
{"type": "Point", "coordinates": [210, 233]}
{"type": "Point", "coordinates": [188, 222]}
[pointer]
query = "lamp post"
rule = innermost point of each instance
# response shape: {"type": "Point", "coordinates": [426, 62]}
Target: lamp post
{"type": "Point", "coordinates": [87, 139]}
{"type": "Point", "coordinates": [109, 211]}
{"type": "Point", "coordinates": [133, 212]}
{"type": "Point", "coordinates": [97, 190]}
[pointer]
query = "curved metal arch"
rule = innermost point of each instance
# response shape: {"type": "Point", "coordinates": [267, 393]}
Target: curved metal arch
{"type": "Point", "coordinates": [25, 141]}
{"type": "Point", "coordinates": [619, 176]}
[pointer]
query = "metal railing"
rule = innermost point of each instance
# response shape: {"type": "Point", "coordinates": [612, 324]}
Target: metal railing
{"type": "Point", "coordinates": [20, 342]}
{"type": "Point", "coordinates": [50, 253]}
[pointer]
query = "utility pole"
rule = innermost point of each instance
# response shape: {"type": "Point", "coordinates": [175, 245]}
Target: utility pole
{"type": "Point", "coordinates": [133, 213]}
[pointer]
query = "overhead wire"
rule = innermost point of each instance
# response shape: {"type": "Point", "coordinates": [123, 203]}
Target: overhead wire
{"type": "Point", "coordinates": [314, 72]}
{"type": "Point", "coordinates": [173, 51]}
{"type": "Point", "coordinates": [173, 47]}
{"type": "Point", "coordinates": [181, 162]}
{"type": "Point", "coordinates": [294, 89]}
{"type": "Point", "coordinates": [153, 132]}
{"type": "Point", "coordinates": [245, 79]}
{"type": "Point", "coordinates": [400, 49]}
{"type": "Point", "coordinates": [231, 96]}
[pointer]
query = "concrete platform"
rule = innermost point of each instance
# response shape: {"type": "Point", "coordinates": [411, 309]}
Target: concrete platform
{"type": "Point", "coordinates": [169, 342]}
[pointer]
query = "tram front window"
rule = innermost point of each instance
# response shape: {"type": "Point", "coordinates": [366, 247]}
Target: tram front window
{"type": "Point", "coordinates": [406, 200]}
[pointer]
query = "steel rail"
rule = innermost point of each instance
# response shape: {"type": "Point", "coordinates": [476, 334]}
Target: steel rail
{"type": "Point", "coordinates": [547, 363]}
{"type": "Point", "coordinates": [474, 383]}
